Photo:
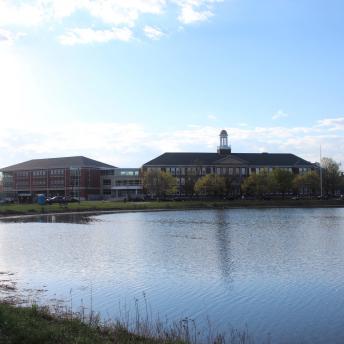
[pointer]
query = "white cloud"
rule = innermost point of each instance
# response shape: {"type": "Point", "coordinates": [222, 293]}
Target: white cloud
{"type": "Point", "coordinates": [24, 14]}
{"type": "Point", "coordinates": [114, 12]}
{"type": "Point", "coordinates": [106, 15]}
{"type": "Point", "coordinates": [153, 33]}
{"type": "Point", "coordinates": [212, 117]}
{"type": "Point", "coordinates": [6, 36]}
{"type": "Point", "coordinates": [9, 37]}
{"type": "Point", "coordinates": [132, 144]}
{"type": "Point", "coordinates": [279, 114]}
{"type": "Point", "coordinates": [193, 11]}
{"type": "Point", "coordinates": [190, 15]}
{"type": "Point", "coordinates": [333, 124]}
{"type": "Point", "coordinates": [85, 36]}
{"type": "Point", "coordinates": [119, 12]}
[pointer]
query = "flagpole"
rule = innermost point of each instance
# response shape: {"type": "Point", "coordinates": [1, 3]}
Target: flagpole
{"type": "Point", "coordinates": [321, 179]}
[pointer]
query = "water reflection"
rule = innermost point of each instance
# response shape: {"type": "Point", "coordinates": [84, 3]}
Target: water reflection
{"type": "Point", "coordinates": [277, 270]}
{"type": "Point", "coordinates": [223, 244]}
{"type": "Point", "coordinates": [56, 218]}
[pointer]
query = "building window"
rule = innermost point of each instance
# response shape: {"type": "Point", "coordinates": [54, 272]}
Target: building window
{"type": "Point", "coordinates": [108, 172]}
{"type": "Point", "coordinates": [38, 173]}
{"type": "Point", "coordinates": [23, 174]}
{"type": "Point", "coordinates": [57, 172]}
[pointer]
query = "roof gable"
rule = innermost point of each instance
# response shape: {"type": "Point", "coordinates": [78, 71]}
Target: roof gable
{"type": "Point", "coordinates": [65, 162]}
{"type": "Point", "coordinates": [231, 160]}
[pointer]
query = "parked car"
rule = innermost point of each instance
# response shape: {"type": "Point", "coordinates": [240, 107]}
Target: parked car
{"type": "Point", "coordinates": [56, 199]}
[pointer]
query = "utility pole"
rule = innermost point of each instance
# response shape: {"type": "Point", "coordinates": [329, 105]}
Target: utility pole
{"type": "Point", "coordinates": [321, 179]}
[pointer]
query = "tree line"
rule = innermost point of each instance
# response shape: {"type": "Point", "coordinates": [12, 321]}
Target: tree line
{"type": "Point", "coordinates": [160, 184]}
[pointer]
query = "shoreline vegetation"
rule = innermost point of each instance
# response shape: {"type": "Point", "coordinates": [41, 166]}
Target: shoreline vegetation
{"type": "Point", "coordinates": [23, 320]}
{"type": "Point", "coordinates": [7, 210]}
{"type": "Point", "coordinates": [45, 325]}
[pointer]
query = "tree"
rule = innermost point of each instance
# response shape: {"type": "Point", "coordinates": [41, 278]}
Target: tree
{"type": "Point", "coordinates": [259, 184]}
{"type": "Point", "coordinates": [312, 182]}
{"type": "Point", "coordinates": [298, 183]}
{"type": "Point", "coordinates": [331, 175]}
{"type": "Point", "coordinates": [282, 180]}
{"type": "Point", "coordinates": [211, 185]}
{"type": "Point", "coordinates": [189, 185]}
{"type": "Point", "coordinates": [308, 183]}
{"type": "Point", "coordinates": [159, 184]}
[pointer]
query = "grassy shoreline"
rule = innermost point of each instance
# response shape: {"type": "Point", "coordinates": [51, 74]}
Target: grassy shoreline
{"type": "Point", "coordinates": [109, 206]}
{"type": "Point", "coordinates": [39, 325]}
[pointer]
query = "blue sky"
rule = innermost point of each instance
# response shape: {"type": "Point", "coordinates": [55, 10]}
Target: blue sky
{"type": "Point", "coordinates": [125, 80]}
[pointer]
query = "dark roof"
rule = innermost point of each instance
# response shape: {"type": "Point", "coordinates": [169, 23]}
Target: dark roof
{"type": "Point", "coordinates": [184, 159]}
{"type": "Point", "coordinates": [65, 162]}
{"type": "Point", "coordinates": [260, 159]}
{"type": "Point", "coordinates": [276, 159]}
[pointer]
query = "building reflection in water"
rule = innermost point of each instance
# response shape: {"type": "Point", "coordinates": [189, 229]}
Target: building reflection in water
{"type": "Point", "coordinates": [59, 218]}
{"type": "Point", "coordinates": [223, 243]}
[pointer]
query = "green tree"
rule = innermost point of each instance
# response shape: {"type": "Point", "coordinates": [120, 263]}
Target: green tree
{"type": "Point", "coordinates": [312, 182]}
{"type": "Point", "coordinates": [331, 175]}
{"type": "Point", "coordinates": [298, 183]}
{"type": "Point", "coordinates": [282, 180]}
{"type": "Point", "coordinates": [259, 184]}
{"type": "Point", "coordinates": [211, 185]}
{"type": "Point", "coordinates": [308, 183]}
{"type": "Point", "coordinates": [190, 181]}
{"type": "Point", "coordinates": [159, 184]}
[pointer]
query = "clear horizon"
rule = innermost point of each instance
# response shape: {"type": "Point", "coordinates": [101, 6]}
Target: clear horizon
{"type": "Point", "coordinates": [123, 82]}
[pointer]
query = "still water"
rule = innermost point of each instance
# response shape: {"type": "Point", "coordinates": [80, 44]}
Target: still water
{"type": "Point", "coordinates": [278, 271]}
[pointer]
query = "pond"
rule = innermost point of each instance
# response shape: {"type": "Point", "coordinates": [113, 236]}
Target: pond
{"type": "Point", "coordinates": [277, 271]}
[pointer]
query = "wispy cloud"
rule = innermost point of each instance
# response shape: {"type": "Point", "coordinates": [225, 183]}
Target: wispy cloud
{"type": "Point", "coordinates": [279, 114]}
{"type": "Point", "coordinates": [195, 10]}
{"type": "Point", "coordinates": [153, 32]}
{"type": "Point", "coordinates": [9, 37]}
{"type": "Point", "coordinates": [104, 15]}
{"type": "Point", "coordinates": [212, 117]}
{"type": "Point", "coordinates": [85, 36]}
{"type": "Point", "coordinates": [334, 124]}
{"type": "Point", "coordinates": [132, 144]}
{"type": "Point", "coordinates": [190, 15]}
{"type": "Point", "coordinates": [22, 13]}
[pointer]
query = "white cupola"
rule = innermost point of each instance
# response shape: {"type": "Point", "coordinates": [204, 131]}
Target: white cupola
{"type": "Point", "coordinates": [224, 148]}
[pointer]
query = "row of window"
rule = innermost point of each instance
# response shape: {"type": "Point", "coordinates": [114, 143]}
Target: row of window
{"type": "Point", "coordinates": [129, 173]}
{"type": "Point", "coordinates": [39, 182]}
{"type": "Point", "coordinates": [243, 171]}
{"type": "Point", "coordinates": [119, 172]}
{"type": "Point", "coordinates": [57, 172]}
{"type": "Point", "coordinates": [107, 182]}
{"type": "Point", "coordinates": [121, 193]}
{"type": "Point", "coordinates": [127, 182]}
{"type": "Point", "coordinates": [39, 173]}
{"type": "Point", "coordinates": [57, 182]}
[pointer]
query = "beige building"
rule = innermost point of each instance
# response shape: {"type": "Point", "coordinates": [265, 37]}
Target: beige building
{"type": "Point", "coordinates": [188, 167]}
{"type": "Point", "coordinates": [121, 183]}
